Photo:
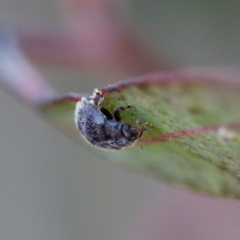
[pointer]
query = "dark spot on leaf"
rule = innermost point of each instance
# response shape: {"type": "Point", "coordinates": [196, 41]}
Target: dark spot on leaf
{"type": "Point", "coordinates": [195, 110]}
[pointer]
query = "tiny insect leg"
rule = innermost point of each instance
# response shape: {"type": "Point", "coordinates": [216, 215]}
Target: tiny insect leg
{"type": "Point", "coordinates": [116, 112]}
{"type": "Point", "coordinates": [144, 128]}
{"type": "Point", "coordinates": [99, 98]}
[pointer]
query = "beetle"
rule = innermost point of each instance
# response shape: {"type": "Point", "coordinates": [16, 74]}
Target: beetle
{"type": "Point", "coordinates": [103, 129]}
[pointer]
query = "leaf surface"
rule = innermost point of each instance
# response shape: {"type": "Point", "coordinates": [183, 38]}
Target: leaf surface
{"type": "Point", "coordinates": [194, 138]}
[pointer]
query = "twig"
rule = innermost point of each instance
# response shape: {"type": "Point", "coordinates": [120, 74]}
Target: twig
{"type": "Point", "coordinates": [18, 74]}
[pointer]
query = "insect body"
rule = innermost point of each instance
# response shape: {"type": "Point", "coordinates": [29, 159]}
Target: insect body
{"type": "Point", "coordinates": [102, 129]}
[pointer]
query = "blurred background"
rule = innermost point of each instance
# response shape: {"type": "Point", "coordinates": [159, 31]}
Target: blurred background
{"type": "Point", "coordinates": [53, 188]}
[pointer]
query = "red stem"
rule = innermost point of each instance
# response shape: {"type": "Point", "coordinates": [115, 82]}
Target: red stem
{"type": "Point", "coordinates": [70, 97]}
{"type": "Point", "coordinates": [191, 132]}
{"type": "Point", "coordinates": [212, 76]}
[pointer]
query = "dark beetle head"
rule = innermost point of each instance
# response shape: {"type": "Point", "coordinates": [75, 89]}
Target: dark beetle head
{"type": "Point", "coordinates": [130, 132]}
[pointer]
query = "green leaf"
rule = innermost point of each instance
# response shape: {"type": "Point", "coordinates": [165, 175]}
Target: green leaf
{"type": "Point", "coordinates": [194, 138]}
